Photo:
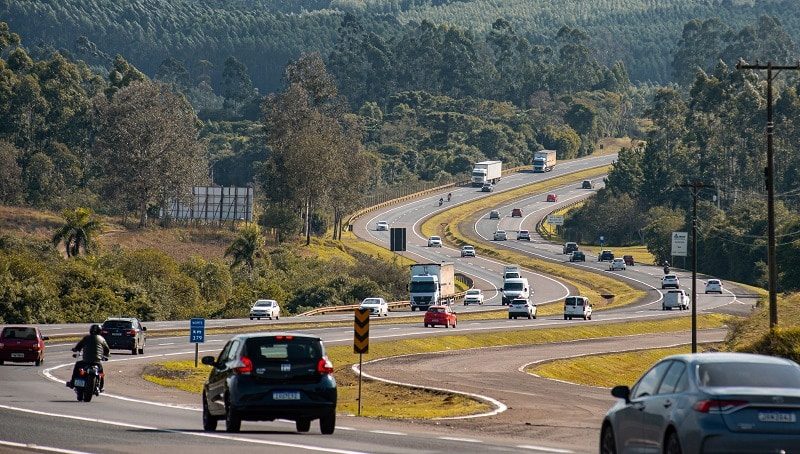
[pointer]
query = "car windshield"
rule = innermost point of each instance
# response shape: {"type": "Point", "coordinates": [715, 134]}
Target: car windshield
{"type": "Point", "coordinates": [513, 286]}
{"type": "Point", "coordinates": [500, 232]}
{"type": "Point", "coordinates": [371, 301]}
{"type": "Point", "coordinates": [423, 287]}
{"type": "Point", "coordinates": [670, 276]}
{"type": "Point", "coordinates": [19, 333]}
{"type": "Point", "coordinates": [478, 174]}
{"type": "Point", "coordinates": [268, 349]}
{"type": "Point", "coordinates": [264, 304]}
{"type": "Point", "coordinates": [435, 238]}
{"type": "Point", "coordinates": [473, 292]}
{"type": "Point", "coordinates": [468, 248]}
{"type": "Point", "coordinates": [117, 324]}
{"type": "Point", "coordinates": [757, 375]}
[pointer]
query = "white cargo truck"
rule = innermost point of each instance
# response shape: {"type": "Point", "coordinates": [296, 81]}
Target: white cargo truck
{"type": "Point", "coordinates": [486, 172]}
{"type": "Point", "coordinates": [511, 272]}
{"type": "Point", "coordinates": [431, 284]}
{"type": "Point", "coordinates": [544, 161]}
{"type": "Point", "coordinates": [675, 299]}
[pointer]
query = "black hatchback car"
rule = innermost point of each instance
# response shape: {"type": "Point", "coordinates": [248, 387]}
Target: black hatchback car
{"type": "Point", "coordinates": [267, 376]}
{"type": "Point", "coordinates": [124, 334]}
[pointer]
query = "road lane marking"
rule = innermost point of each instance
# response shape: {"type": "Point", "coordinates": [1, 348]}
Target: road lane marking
{"type": "Point", "coordinates": [36, 447]}
{"type": "Point", "coordinates": [386, 432]}
{"type": "Point", "coordinates": [545, 449]}
{"type": "Point", "coordinates": [465, 440]}
{"type": "Point", "coordinates": [167, 343]}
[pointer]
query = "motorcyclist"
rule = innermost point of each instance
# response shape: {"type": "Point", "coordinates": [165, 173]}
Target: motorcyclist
{"type": "Point", "coordinates": [666, 267]}
{"type": "Point", "coordinates": [441, 201]}
{"type": "Point", "coordinates": [449, 196]}
{"type": "Point", "coordinates": [94, 349]}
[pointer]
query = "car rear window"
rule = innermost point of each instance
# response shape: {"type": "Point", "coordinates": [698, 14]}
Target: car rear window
{"type": "Point", "coordinates": [574, 302]}
{"type": "Point", "coordinates": [19, 333]}
{"type": "Point", "coordinates": [117, 324]}
{"type": "Point", "coordinates": [473, 292]}
{"type": "Point", "coordinates": [712, 375]}
{"type": "Point", "coordinates": [436, 309]}
{"type": "Point", "coordinates": [713, 282]}
{"type": "Point", "coordinates": [262, 350]}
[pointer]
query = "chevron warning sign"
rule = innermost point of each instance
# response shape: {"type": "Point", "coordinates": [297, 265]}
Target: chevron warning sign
{"type": "Point", "coordinates": [361, 331]}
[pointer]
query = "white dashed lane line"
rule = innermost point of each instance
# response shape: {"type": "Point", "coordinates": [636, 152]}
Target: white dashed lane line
{"type": "Point", "coordinates": [386, 432]}
{"type": "Point", "coordinates": [545, 449]}
{"type": "Point", "coordinates": [465, 440]}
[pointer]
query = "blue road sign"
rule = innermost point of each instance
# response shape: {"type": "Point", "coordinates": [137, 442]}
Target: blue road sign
{"type": "Point", "coordinates": [197, 330]}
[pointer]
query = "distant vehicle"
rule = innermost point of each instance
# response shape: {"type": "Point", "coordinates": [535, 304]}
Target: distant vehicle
{"type": "Point", "coordinates": [524, 235]}
{"type": "Point", "coordinates": [486, 172]}
{"type": "Point", "coordinates": [675, 299]}
{"type": "Point", "coordinates": [440, 315]}
{"type": "Point", "coordinates": [487, 187]}
{"type": "Point", "coordinates": [707, 402]}
{"type": "Point", "coordinates": [605, 256]}
{"type": "Point", "coordinates": [511, 272]}
{"type": "Point", "coordinates": [467, 251]}
{"type": "Point", "coordinates": [521, 307]}
{"type": "Point", "coordinates": [377, 306]}
{"type": "Point", "coordinates": [500, 235]}
{"type": "Point", "coordinates": [515, 287]}
{"type": "Point", "coordinates": [569, 247]}
{"type": "Point", "coordinates": [22, 344]}
{"type": "Point", "coordinates": [577, 256]}
{"type": "Point", "coordinates": [431, 284]}
{"type": "Point", "coordinates": [265, 309]}
{"type": "Point", "coordinates": [552, 197]}
{"type": "Point", "coordinates": [124, 333]}
{"type": "Point", "coordinates": [544, 160]}
{"type": "Point", "coordinates": [577, 306]}
{"type": "Point", "coordinates": [628, 260]}
{"type": "Point", "coordinates": [473, 296]}
{"type": "Point", "coordinates": [587, 184]}
{"type": "Point", "coordinates": [670, 280]}
{"type": "Point", "coordinates": [382, 225]}
{"type": "Point", "coordinates": [494, 214]}
{"type": "Point", "coordinates": [516, 213]}
{"type": "Point", "coordinates": [714, 286]}
{"type": "Point", "coordinates": [617, 265]}
{"type": "Point", "coordinates": [268, 376]}
{"type": "Point", "coordinates": [435, 241]}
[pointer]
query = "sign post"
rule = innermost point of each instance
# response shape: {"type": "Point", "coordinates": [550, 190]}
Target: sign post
{"type": "Point", "coordinates": [197, 335]}
{"type": "Point", "coordinates": [680, 242]}
{"type": "Point", "coordinates": [361, 343]}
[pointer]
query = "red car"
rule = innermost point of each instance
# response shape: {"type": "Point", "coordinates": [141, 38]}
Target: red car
{"type": "Point", "coordinates": [516, 213]}
{"type": "Point", "coordinates": [628, 260]}
{"type": "Point", "coordinates": [552, 198]}
{"type": "Point", "coordinates": [22, 344]}
{"type": "Point", "coordinates": [440, 315]}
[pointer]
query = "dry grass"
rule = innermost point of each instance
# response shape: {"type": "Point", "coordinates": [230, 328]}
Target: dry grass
{"type": "Point", "coordinates": [27, 222]}
{"type": "Point", "coordinates": [610, 145]}
{"type": "Point", "coordinates": [179, 243]}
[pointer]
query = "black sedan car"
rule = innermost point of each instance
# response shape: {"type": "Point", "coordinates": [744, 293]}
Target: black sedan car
{"type": "Point", "coordinates": [124, 333]}
{"type": "Point", "coordinates": [267, 376]}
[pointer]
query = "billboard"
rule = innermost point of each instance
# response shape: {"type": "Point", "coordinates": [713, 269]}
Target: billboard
{"type": "Point", "coordinates": [215, 203]}
{"type": "Point", "coordinates": [680, 241]}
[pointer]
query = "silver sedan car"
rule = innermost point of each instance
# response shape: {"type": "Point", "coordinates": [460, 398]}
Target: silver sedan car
{"type": "Point", "coordinates": [709, 403]}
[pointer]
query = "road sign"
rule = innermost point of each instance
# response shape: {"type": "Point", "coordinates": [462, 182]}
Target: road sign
{"type": "Point", "coordinates": [197, 330]}
{"type": "Point", "coordinates": [554, 219]}
{"type": "Point", "coordinates": [361, 331]}
{"type": "Point", "coordinates": [680, 241]}
{"type": "Point", "coordinates": [397, 239]}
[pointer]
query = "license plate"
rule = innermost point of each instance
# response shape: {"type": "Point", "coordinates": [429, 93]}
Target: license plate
{"type": "Point", "coordinates": [17, 355]}
{"type": "Point", "coordinates": [774, 416]}
{"type": "Point", "coordinates": [286, 395]}
{"type": "Point", "coordinates": [116, 334]}
{"type": "Point", "coordinates": [79, 382]}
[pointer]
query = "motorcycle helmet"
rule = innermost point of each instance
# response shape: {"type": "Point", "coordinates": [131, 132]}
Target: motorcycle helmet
{"type": "Point", "coordinates": [94, 329]}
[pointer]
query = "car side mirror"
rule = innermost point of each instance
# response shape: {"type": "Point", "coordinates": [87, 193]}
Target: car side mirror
{"type": "Point", "coordinates": [144, 329]}
{"type": "Point", "coordinates": [208, 361]}
{"type": "Point", "coordinates": [45, 338]}
{"type": "Point", "coordinates": [621, 392]}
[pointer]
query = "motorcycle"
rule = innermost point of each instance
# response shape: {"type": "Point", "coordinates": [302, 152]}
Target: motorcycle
{"type": "Point", "coordinates": [666, 269]}
{"type": "Point", "coordinates": [441, 201]}
{"type": "Point", "coordinates": [87, 381]}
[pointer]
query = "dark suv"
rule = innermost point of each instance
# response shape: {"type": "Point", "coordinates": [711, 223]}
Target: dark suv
{"type": "Point", "coordinates": [267, 376]}
{"type": "Point", "coordinates": [569, 247]}
{"type": "Point", "coordinates": [124, 334]}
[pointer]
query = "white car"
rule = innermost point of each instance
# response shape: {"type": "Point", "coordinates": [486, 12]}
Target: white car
{"type": "Point", "coordinates": [435, 241]}
{"type": "Point", "coordinates": [670, 280]}
{"type": "Point", "coordinates": [521, 307]}
{"type": "Point", "coordinates": [376, 306]}
{"type": "Point", "coordinates": [577, 306]}
{"type": "Point", "coordinates": [473, 296]}
{"type": "Point", "coordinates": [714, 286]}
{"type": "Point", "coordinates": [382, 225]}
{"type": "Point", "coordinates": [468, 251]}
{"type": "Point", "coordinates": [675, 299]}
{"type": "Point", "coordinates": [523, 235]}
{"type": "Point", "coordinates": [500, 235]}
{"type": "Point", "coordinates": [265, 309]}
{"type": "Point", "coordinates": [617, 265]}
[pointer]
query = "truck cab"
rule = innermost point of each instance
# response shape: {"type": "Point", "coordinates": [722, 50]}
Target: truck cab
{"type": "Point", "coordinates": [431, 284]}
{"type": "Point", "coordinates": [424, 291]}
{"type": "Point", "coordinates": [515, 288]}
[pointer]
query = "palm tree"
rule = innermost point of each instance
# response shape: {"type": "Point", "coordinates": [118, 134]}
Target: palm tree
{"type": "Point", "coordinates": [78, 230]}
{"type": "Point", "coordinates": [246, 247]}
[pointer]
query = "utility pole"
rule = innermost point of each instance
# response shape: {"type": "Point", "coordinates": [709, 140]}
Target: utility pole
{"type": "Point", "coordinates": [695, 186]}
{"type": "Point", "coordinates": [769, 175]}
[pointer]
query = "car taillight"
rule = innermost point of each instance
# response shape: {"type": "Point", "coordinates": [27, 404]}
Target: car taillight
{"type": "Point", "coordinates": [131, 332]}
{"type": "Point", "coordinates": [82, 372]}
{"type": "Point", "coordinates": [288, 338]}
{"type": "Point", "coordinates": [245, 366]}
{"type": "Point", "coordinates": [325, 366]}
{"type": "Point", "coordinates": [717, 406]}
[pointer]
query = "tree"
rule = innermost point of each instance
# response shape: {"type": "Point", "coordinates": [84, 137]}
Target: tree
{"type": "Point", "coordinates": [246, 247]}
{"type": "Point", "coordinates": [147, 147]}
{"type": "Point", "coordinates": [80, 226]}
{"type": "Point", "coordinates": [236, 84]}
{"type": "Point", "coordinates": [10, 174]}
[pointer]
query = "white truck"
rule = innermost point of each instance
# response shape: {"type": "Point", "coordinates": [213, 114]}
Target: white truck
{"type": "Point", "coordinates": [544, 161]}
{"type": "Point", "coordinates": [486, 172]}
{"type": "Point", "coordinates": [431, 284]}
{"type": "Point", "coordinates": [511, 272]}
{"type": "Point", "coordinates": [675, 298]}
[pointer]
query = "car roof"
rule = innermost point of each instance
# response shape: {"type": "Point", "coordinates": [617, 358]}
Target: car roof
{"type": "Point", "coordinates": [120, 319]}
{"type": "Point", "coordinates": [273, 334]}
{"type": "Point", "coordinates": [438, 306]}
{"type": "Point", "coordinates": [730, 357]}
{"type": "Point", "coordinates": [670, 276]}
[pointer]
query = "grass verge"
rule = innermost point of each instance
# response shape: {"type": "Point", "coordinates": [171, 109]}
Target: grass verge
{"type": "Point", "coordinates": [389, 401]}
{"type": "Point", "coordinates": [451, 224]}
{"type": "Point", "coordinates": [753, 334]}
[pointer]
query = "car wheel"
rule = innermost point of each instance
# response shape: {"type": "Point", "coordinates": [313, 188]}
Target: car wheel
{"type": "Point", "coordinates": [534, 316]}
{"type": "Point", "coordinates": [38, 362]}
{"type": "Point", "coordinates": [590, 317]}
{"type": "Point", "coordinates": [233, 422]}
{"type": "Point", "coordinates": [141, 350]}
{"type": "Point", "coordinates": [87, 390]}
{"type": "Point", "coordinates": [584, 317]}
{"type": "Point", "coordinates": [303, 425]}
{"type": "Point", "coordinates": [663, 308]}
{"type": "Point", "coordinates": [673, 445]}
{"type": "Point", "coordinates": [565, 317]}
{"type": "Point", "coordinates": [510, 317]}
{"type": "Point", "coordinates": [327, 423]}
{"type": "Point", "coordinates": [209, 421]}
{"type": "Point", "coordinates": [2, 362]}
{"type": "Point", "coordinates": [425, 324]}
{"type": "Point", "coordinates": [413, 308]}
{"type": "Point", "coordinates": [251, 318]}
{"type": "Point", "coordinates": [135, 349]}
{"type": "Point", "coordinates": [607, 443]}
